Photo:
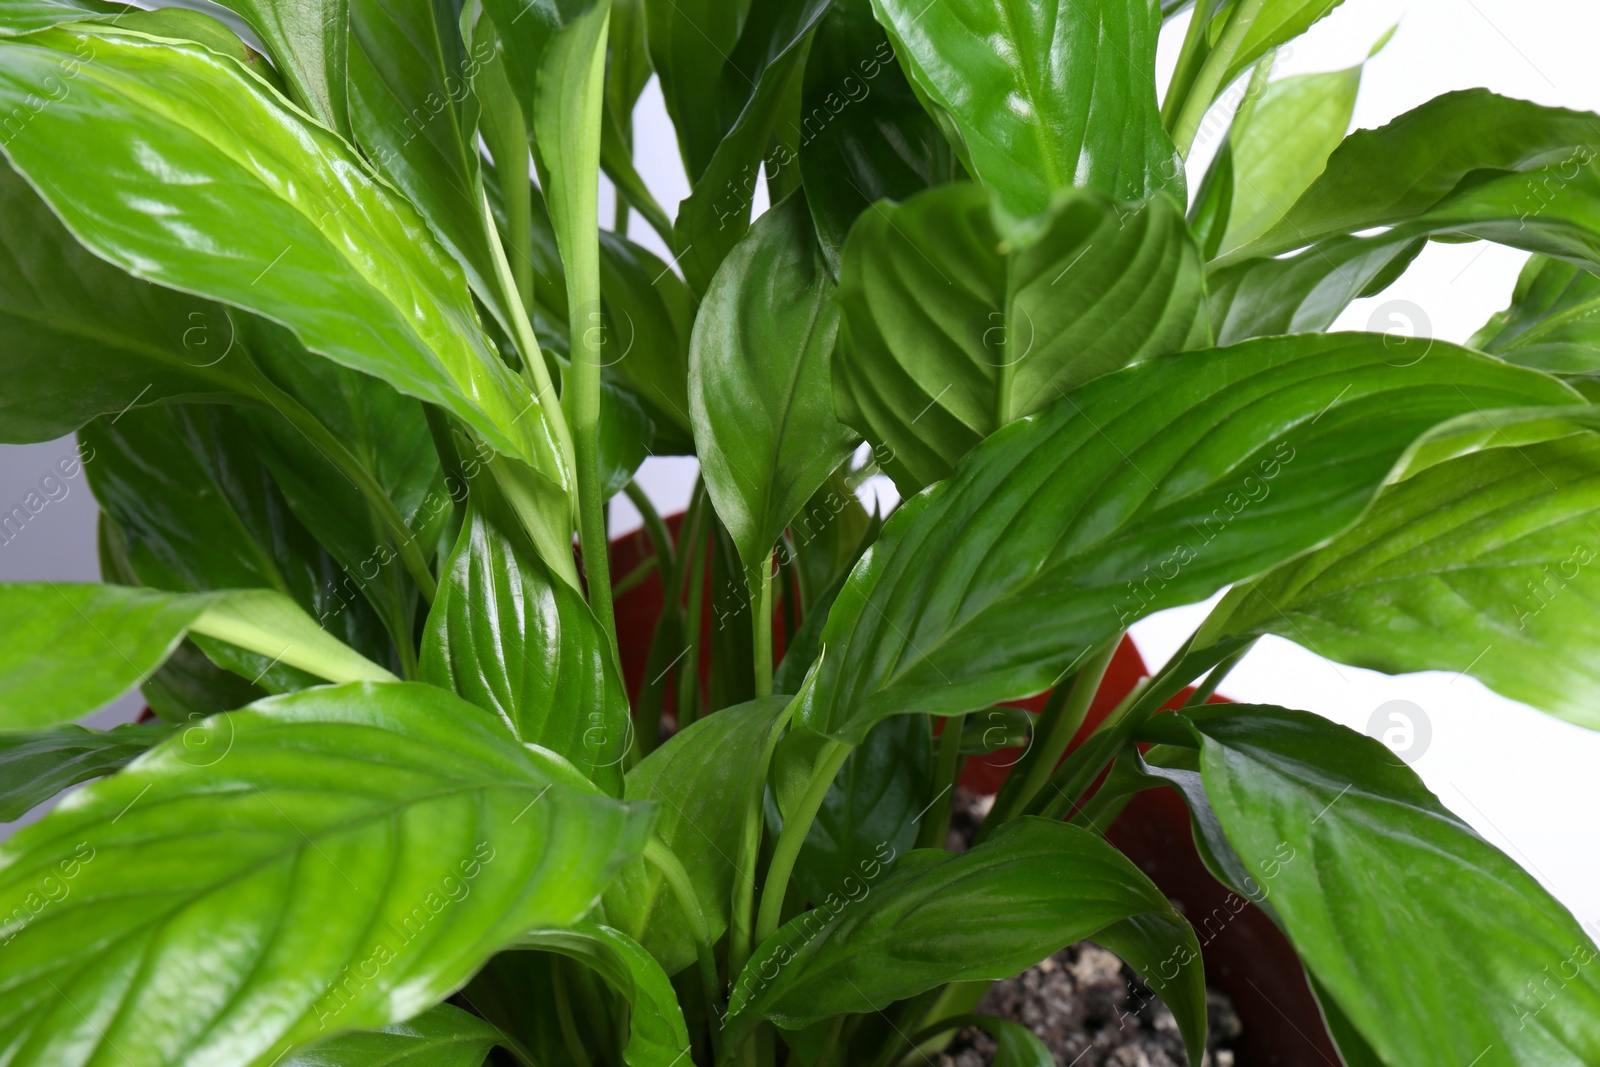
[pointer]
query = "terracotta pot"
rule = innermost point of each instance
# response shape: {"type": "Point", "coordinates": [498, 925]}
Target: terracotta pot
{"type": "Point", "coordinates": [1246, 955]}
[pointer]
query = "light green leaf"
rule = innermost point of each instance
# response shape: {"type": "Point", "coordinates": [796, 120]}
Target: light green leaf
{"type": "Point", "coordinates": [347, 264]}
{"type": "Point", "coordinates": [708, 778]}
{"type": "Point", "coordinates": [1484, 563]}
{"type": "Point", "coordinates": [1035, 887]}
{"type": "Point", "coordinates": [947, 337]}
{"type": "Point", "coordinates": [1553, 322]}
{"type": "Point", "coordinates": [1356, 848]}
{"type": "Point", "coordinates": [309, 41]}
{"type": "Point", "coordinates": [1274, 23]}
{"type": "Point", "coordinates": [657, 1035]}
{"type": "Point", "coordinates": [73, 648]}
{"type": "Point", "coordinates": [381, 842]}
{"type": "Point", "coordinates": [507, 635]}
{"type": "Point", "coordinates": [26, 16]}
{"type": "Point", "coordinates": [1031, 114]}
{"type": "Point", "coordinates": [1145, 489]}
{"type": "Point", "coordinates": [36, 766]}
{"type": "Point", "coordinates": [760, 384]}
{"type": "Point", "coordinates": [442, 1036]}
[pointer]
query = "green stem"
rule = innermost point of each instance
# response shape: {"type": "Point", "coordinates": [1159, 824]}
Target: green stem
{"type": "Point", "coordinates": [377, 499]}
{"type": "Point", "coordinates": [1189, 59]}
{"type": "Point", "coordinates": [672, 872]}
{"type": "Point", "coordinates": [740, 924]}
{"type": "Point", "coordinates": [635, 578]}
{"type": "Point", "coordinates": [831, 1042]}
{"type": "Point", "coordinates": [761, 628]}
{"type": "Point", "coordinates": [947, 766]}
{"type": "Point", "coordinates": [694, 556]}
{"type": "Point", "coordinates": [1209, 81]}
{"type": "Point", "coordinates": [656, 527]}
{"type": "Point", "coordinates": [1063, 716]}
{"type": "Point", "coordinates": [569, 1025]}
{"type": "Point", "coordinates": [1205, 689]}
{"type": "Point", "coordinates": [795, 828]}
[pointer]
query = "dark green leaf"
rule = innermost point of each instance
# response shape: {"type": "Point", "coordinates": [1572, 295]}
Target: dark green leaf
{"type": "Point", "coordinates": [625, 435]}
{"type": "Point", "coordinates": [381, 842]}
{"type": "Point", "coordinates": [35, 767]}
{"type": "Point", "coordinates": [72, 648]}
{"type": "Point", "coordinates": [690, 42]}
{"type": "Point", "coordinates": [1389, 175]}
{"type": "Point", "coordinates": [760, 73]}
{"type": "Point", "coordinates": [1357, 848]}
{"type": "Point", "coordinates": [330, 252]}
{"type": "Point", "coordinates": [657, 1035]}
{"type": "Point", "coordinates": [946, 338]}
{"type": "Point", "coordinates": [84, 339]}
{"type": "Point", "coordinates": [1030, 112]}
{"type": "Point", "coordinates": [1484, 563]}
{"type": "Point", "coordinates": [1552, 322]}
{"type": "Point", "coordinates": [442, 1036]}
{"type": "Point", "coordinates": [651, 315]}
{"type": "Point", "coordinates": [1032, 889]}
{"type": "Point", "coordinates": [760, 386]}
{"type": "Point", "coordinates": [511, 638]}
{"type": "Point", "coordinates": [863, 134]}
{"type": "Point", "coordinates": [310, 41]}
{"type": "Point", "coordinates": [1015, 1044]}
{"type": "Point", "coordinates": [707, 779]}
{"type": "Point", "coordinates": [1145, 489]}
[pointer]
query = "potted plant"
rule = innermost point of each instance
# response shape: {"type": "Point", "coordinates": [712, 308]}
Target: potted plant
{"type": "Point", "coordinates": [352, 367]}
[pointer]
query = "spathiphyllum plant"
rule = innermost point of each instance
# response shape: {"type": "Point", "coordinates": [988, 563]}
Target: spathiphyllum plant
{"type": "Point", "coordinates": [355, 368]}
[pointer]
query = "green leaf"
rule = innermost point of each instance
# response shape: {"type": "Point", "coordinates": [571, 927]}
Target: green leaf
{"type": "Point", "coordinates": [513, 639]}
{"type": "Point", "coordinates": [1029, 115]}
{"type": "Point", "coordinates": [331, 253]}
{"type": "Point", "coordinates": [1274, 23]}
{"type": "Point", "coordinates": [1394, 173]}
{"type": "Point", "coordinates": [1015, 1044]}
{"type": "Point", "coordinates": [759, 74]}
{"type": "Point", "coordinates": [1421, 975]}
{"type": "Point", "coordinates": [946, 337]}
{"type": "Point", "coordinates": [382, 841]}
{"type": "Point", "coordinates": [657, 1034]}
{"type": "Point", "coordinates": [309, 41]}
{"type": "Point", "coordinates": [84, 339]}
{"type": "Point", "coordinates": [690, 42]}
{"type": "Point", "coordinates": [1551, 323]}
{"type": "Point", "coordinates": [1035, 887]}
{"type": "Point", "coordinates": [73, 648]}
{"type": "Point", "coordinates": [195, 510]}
{"type": "Point", "coordinates": [36, 766]}
{"type": "Point", "coordinates": [1292, 130]}
{"type": "Point", "coordinates": [27, 16]}
{"type": "Point", "coordinates": [708, 778]}
{"type": "Point", "coordinates": [1142, 490]}
{"type": "Point", "coordinates": [872, 809]}
{"type": "Point", "coordinates": [442, 1036]}
{"type": "Point", "coordinates": [760, 386]}
{"type": "Point", "coordinates": [651, 316]}
{"type": "Point", "coordinates": [413, 110]}
{"type": "Point", "coordinates": [863, 134]}
{"type": "Point", "coordinates": [1484, 563]}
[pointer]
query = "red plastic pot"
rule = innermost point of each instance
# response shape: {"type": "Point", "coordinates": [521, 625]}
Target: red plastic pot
{"type": "Point", "coordinates": [1246, 955]}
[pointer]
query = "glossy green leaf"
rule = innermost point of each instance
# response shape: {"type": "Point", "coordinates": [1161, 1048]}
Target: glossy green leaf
{"type": "Point", "coordinates": [344, 262]}
{"type": "Point", "coordinates": [1032, 114]}
{"type": "Point", "coordinates": [442, 1036]}
{"type": "Point", "coordinates": [690, 42]}
{"type": "Point", "coordinates": [73, 648]}
{"type": "Point", "coordinates": [310, 43]}
{"type": "Point", "coordinates": [1553, 322]}
{"type": "Point", "coordinates": [511, 638]}
{"type": "Point", "coordinates": [36, 766]}
{"type": "Point", "coordinates": [990, 912]}
{"type": "Point", "coordinates": [84, 339]}
{"type": "Point", "coordinates": [707, 778]}
{"type": "Point", "coordinates": [657, 1034]}
{"type": "Point", "coordinates": [195, 510]}
{"type": "Point", "coordinates": [382, 842]}
{"type": "Point", "coordinates": [26, 16]}
{"type": "Point", "coordinates": [872, 811]}
{"type": "Point", "coordinates": [864, 136]}
{"type": "Point", "coordinates": [1391, 174]}
{"type": "Point", "coordinates": [760, 381]}
{"type": "Point", "coordinates": [1292, 130]}
{"type": "Point", "coordinates": [1484, 563]}
{"type": "Point", "coordinates": [650, 314]}
{"type": "Point", "coordinates": [223, 37]}
{"type": "Point", "coordinates": [760, 73]}
{"type": "Point", "coordinates": [1145, 489]}
{"type": "Point", "coordinates": [1358, 849]}
{"type": "Point", "coordinates": [946, 338]}
{"type": "Point", "coordinates": [1274, 23]}
{"type": "Point", "coordinates": [414, 113]}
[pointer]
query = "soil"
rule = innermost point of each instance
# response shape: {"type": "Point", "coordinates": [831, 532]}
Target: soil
{"type": "Point", "coordinates": [1087, 1006]}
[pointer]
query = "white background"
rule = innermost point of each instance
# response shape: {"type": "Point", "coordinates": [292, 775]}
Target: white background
{"type": "Point", "coordinates": [1529, 783]}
